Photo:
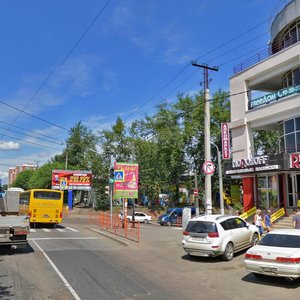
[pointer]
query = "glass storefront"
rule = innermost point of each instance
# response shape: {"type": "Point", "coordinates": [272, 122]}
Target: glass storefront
{"type": "Point", "coordinates": [267, 187]}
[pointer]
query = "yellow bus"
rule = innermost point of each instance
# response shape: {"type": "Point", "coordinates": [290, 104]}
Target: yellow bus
{"type": "Point", "coordinates": [42, 205]}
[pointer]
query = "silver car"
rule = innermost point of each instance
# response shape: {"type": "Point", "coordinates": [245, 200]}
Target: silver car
{"type": "Point", "coordinates": [213, 235]}
{"type": "Point", "coordinates": [276, 254]}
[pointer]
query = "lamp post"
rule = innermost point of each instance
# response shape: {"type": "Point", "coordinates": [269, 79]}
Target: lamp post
{"type": "Point", "coordinates": [220, 178]}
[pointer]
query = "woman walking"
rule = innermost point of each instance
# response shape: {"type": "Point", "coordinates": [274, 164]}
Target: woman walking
{"type": "Point", "coordinates": [258, 221]}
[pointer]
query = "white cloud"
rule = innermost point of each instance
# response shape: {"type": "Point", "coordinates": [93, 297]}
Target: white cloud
{"type": "Point", "coordinates": [9, 146]}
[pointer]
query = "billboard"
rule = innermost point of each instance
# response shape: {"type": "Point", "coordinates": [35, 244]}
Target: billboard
{"type": "Point", "coordinates": [225, 141]}
{"type": "Point", "coordinates": [126, 177]}
{"type": "Point", "coordinates": [71, 180]}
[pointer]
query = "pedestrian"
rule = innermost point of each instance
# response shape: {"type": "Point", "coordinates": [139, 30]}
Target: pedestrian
{"type": "Point", "coordinates": [267, 221]}
{"type": "Point", "coordinates": [258, 221]}
{"type": "Point", "coordinates": [296, 219]}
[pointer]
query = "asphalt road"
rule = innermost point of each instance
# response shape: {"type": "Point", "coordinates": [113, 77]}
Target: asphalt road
{"type": "Point", "coordinates": [74, 262]}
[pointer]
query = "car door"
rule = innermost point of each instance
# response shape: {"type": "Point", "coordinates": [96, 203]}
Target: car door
{"type": "Point", "coordinates": [138, 217]}
{"type": "Point", "coordinates": [242, 233]}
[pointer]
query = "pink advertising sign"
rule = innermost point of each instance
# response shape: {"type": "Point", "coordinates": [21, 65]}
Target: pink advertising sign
{"type": "Point", "coordinates": [225, 141]}
{"type": "Point", "coordinates": [126, 180]}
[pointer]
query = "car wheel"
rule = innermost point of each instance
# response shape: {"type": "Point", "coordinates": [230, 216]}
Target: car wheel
{"type": "Point", "coordinates": [146, 221]}
{"type": "Point", "coordinates": [229, 252]}
{"type": "Point", "coordinates": [255, 239]}
{"type": "Point", "coordinates": [169, 223]}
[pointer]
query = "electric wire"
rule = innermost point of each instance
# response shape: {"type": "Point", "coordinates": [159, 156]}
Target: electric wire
{"type": "Point", "coordinates": [55, 69]}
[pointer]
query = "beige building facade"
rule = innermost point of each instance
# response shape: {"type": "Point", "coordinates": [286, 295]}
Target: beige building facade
{"type": "Point", "coordinates": [265, 95]}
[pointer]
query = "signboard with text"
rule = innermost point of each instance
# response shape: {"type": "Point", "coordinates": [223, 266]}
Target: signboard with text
{"type": "Point", "coordinates": [225, 141]}
{"type": "Point", "coordinates": [126, 178]}
{"type": "Point", "coordinates": [71, 180]}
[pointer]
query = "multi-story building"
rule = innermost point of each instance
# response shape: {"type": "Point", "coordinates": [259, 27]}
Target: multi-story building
{"type": "Point", "coordinates": [265, 94]}
{"type": "Point", "coordinates": [13, 172]}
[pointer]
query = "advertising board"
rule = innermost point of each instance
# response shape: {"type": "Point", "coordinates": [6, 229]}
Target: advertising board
{"type": "Point", "coordinates": [71, 180]}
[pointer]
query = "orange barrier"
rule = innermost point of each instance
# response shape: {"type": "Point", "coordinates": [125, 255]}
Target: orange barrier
{"type": "Point", "coordinates": [115, 225]}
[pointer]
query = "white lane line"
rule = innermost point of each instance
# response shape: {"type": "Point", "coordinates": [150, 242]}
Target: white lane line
{"type": "Point", "coordinates": [46, 230]}
{"type": "Point", "coordinates": [72, 291]}
{"type": "Point", "coordinates": [66, 238]}
{"type": "Point", "coordinates": [32, 230]}
{"type": "Point", "coordinates": [72, 229]}
{"type": "Point", "coordinates": [60, 229]}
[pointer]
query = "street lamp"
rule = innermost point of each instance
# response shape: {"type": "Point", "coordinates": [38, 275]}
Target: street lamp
{"type": "Point", "coordinates": [220, 178]}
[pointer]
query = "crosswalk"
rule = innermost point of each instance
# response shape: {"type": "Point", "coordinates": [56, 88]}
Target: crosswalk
{"type": "Point", "coordinates": [65, 229]}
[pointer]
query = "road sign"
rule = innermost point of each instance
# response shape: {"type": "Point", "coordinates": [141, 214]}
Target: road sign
{"type": "Point", "coordinates": [111, 180]}
{"type": "Point", "coordinates": [208, 167]}
{"type": "Point", "coordinates": [119, 176]}
{"type": "Point", "coordinates": [196, 192]}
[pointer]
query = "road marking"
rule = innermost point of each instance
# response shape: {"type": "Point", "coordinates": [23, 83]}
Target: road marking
{"type": "Point", "coordinates": [46, 230]}
{"type": "Point", "coordinates": [72, 229]}
{"type": "Point", "coordinates": [72, 291]}
{"type": "Point", "coordinates": [67, 238]}
{"type": "Point", "coordinates": [32, 230]}
{"type": "Point", "coordinates": [60, 230]}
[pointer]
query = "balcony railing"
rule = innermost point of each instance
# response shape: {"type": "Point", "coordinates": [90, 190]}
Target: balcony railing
{"type": "Point", "coordinates": [276, 47]}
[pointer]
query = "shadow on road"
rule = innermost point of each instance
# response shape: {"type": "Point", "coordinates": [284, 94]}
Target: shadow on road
{"type": "Point", "coordinates": [6, 250]}
{"type": "Point", "coordinates": [271, 281]}
{"type": "Point", "coordinates": [4, 290]}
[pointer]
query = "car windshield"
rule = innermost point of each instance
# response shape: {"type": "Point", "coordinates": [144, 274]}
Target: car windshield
{"type": "Point", "coordinates": [280, 240]}
{"type": "Point", "coordinates": [201, 226]}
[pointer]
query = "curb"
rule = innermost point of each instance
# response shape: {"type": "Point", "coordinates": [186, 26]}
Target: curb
{"type": "Point", "coordinates": [114, 238]}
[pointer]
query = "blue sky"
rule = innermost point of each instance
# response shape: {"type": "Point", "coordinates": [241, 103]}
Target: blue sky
{"type": "Point", "coordinates": [61, 69]}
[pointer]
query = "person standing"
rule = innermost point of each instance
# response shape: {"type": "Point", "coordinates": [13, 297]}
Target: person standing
{"type": "Point", "coordinates": [258, 221]}
{"type": "Point", "coordinates": [296, 219]}
{"type": "Point", "coordinates": [267, 221]}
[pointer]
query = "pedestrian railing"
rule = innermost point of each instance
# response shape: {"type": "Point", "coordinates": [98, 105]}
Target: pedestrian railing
{"type": "Point", "coordinates": [114, 224]}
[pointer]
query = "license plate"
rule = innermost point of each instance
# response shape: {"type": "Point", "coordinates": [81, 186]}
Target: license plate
{"type": "Point", "coordinates": [269, 269]}
{"type": "Point", "coordinates": [45, 216]}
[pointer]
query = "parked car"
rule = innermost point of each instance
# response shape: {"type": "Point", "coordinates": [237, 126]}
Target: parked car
{"type": "Point", "coordinates": [171, 216]}
{"type": "Point", "coordinates": [276, 254]}
{"type": "Point", "coordinates": [213, 235]}
{"type": "Point", "coordinates": [139, 217]}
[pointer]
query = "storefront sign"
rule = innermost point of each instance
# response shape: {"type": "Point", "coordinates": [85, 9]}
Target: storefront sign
{"type": "Point", "coordinates": [127, 186]}
{"type": "Point", "coordinates": [267, 99]}
{"type": "Point", "coordinates": [225, 141]}
{"type": "Point", "coordinates": [251, 165]}
{"type": "Point", "coordinates": [71, 180]}
{"type": "Point", "coordinates": [295, 161]}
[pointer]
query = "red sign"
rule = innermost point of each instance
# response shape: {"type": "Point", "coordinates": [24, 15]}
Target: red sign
{"type": "Point", "coordinates": [126, 180]}
{"type": "Point", "coordinates": [295, 161]}
{"type": "Point", "coordinates": [71, 180]}
{"type": "Point", "coordinates": [225, 141]}
{"type": "Point", "coordinates": [208, 167]}
{"type": "Point", "coordinates": [196, 192]}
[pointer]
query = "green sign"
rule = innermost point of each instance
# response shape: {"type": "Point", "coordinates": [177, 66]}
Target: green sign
{"type": "Point", "coordinates": [267, 99]}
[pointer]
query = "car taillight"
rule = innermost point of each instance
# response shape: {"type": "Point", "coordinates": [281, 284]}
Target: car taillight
{"type": "Point", "coordinates": [252, 256]}
{"type": "Point", "coordinates": [29, 214]}
{"type": "Point", "coordinates": [289, 260]}
{"type": "Point", "coordinates": [213, 234]}
{"type": "Point", "coordinates": [186, 233]}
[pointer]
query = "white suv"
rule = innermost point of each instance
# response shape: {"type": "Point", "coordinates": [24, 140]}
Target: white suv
{"type": "Point", "coordinates": [213, 235]}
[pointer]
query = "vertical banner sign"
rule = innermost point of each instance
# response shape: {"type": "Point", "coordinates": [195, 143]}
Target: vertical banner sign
{"type": "Point", "coordinates": [225, 141]}
{"type": "Point", "coordinates": [126, 176]}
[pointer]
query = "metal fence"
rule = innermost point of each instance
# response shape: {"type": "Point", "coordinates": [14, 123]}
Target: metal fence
{"type": "Point", "coordinates": [114, 224]}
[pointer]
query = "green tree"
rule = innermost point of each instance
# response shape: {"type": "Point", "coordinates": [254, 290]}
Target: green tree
{"type": "Point", "coordinates": [23, 179]}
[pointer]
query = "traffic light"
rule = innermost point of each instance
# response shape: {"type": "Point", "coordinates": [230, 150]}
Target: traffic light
{"type": "Point", "coordinates": [112, 173]}
{"type": "Point", "coordinates": [107, 189]}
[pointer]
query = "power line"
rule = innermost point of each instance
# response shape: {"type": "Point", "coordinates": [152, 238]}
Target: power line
{"type": "Point", "coordinates": [37, 133]}
{"type": "Point", "coordinates": [57, 67]}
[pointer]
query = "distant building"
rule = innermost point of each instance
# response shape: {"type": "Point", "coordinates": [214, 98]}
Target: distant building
{"type": "Point", "coordinates": [265, 94]}
{"type": "Point", "coordinates": [13, 172]}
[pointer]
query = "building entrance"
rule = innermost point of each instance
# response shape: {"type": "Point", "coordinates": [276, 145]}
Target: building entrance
{"type": "Point", "coordinates": [293, 189]}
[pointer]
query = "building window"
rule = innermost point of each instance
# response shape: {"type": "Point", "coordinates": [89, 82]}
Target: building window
{"type": "Point", "coordinates": [291, 78]}
{"type": "Point", "coordinates": [289, 136]}
{"type": "Point", "coordinates": [268, 191]}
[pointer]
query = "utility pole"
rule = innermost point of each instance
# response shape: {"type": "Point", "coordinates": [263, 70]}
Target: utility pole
{"type": "Point", "coordinates": [220, 179]}
{"type": "Point", "coordinates": [208, 199]}
{"type": "Point", "coordinates": [196, 197]}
